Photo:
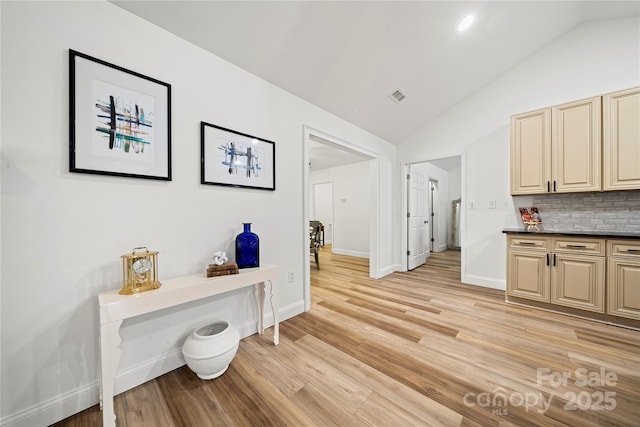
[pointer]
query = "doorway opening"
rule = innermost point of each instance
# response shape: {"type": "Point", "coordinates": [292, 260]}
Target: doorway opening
{"type": "Point", "coordinates": [443, 192]}
{"type": "Point", "coordinates": [318, 149]}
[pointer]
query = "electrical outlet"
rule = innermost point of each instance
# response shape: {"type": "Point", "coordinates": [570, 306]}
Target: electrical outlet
{"type": "Point", "coordinates": [492, 204]}
{"type": "Point", "coordinates": [472, 206]}
{"type": "Point", "coordinates": [292, 276]}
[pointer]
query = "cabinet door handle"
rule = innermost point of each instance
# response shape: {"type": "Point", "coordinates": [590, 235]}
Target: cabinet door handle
{"type": "Point", "coordinates": [577, 246]}
{"type": "Point", "coordinates": [547, 259]}
{"type": "Point", "coordinates": [554, 185]}
{"type": "Point", "coordinates": [554, 260]}
{"type": "Point", "coordinates": [548, 187]}
{"type": "Point", "coordinates": [527, 243]}
{"type": "Point", "coordinates": [633, 250]}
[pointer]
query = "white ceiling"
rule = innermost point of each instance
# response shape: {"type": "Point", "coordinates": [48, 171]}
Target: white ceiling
{"type": "Point", "coordinates": [347, 57]}
{"type": "Point", "coordinates": [447, 163]}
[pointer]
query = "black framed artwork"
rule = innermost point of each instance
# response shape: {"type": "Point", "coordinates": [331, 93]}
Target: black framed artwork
{"type": "Point", "coordinates": [236, 159]}
{"type": "Point", "coordinates": [119, 120]}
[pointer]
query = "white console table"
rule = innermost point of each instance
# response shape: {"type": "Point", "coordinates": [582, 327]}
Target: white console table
{"type": "Point", "coordinates": [114, 308]}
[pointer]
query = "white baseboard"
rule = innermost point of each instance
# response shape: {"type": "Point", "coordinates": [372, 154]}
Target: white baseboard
{"type": "Point", "coordinates": [441, 247]}
{"type": "Point", "coordinates": [65, 405]}
{"type": "Point", "coordinates": [388, 270]}
{"type": "Point", "coordinates": [287, 312]}
{"type": "Point", "coordinates": [486, 282]}
{"type": "Point", "coordinates": [350, 252]}
{"type": "Point", "coordinates": [55, 409]}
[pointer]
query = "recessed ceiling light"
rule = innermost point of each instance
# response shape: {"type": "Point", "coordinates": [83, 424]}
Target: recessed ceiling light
{"type": "Point", "coordinates": [465, 23]}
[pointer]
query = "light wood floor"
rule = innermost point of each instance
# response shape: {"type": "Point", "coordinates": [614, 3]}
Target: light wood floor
{"type": "Point", "coordinates": [412, 349]}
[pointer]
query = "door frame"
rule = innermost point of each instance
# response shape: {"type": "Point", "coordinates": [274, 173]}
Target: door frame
{"type": "Point", "coordinates": [374, 204]}
{"type": "Point", "coordinates": [404, 235]}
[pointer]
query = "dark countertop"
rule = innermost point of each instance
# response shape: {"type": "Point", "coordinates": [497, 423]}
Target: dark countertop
{"type": "Point", "coordinates": [578, 233]}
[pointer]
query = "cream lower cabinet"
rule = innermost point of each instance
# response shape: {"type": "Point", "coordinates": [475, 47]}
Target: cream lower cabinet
{"type": "Point", "coordinates": [528, 267]}
{"type": "Point", "coordinates": [578, 281]}
{"type": "Point", "coordinates": [528, 275]}
{"type": "Point", "coordinates": [564, 271]}
{"type": "Point", "coordinates": [578, 273]}
{"type": "Point", "coordinates": [623, 285]}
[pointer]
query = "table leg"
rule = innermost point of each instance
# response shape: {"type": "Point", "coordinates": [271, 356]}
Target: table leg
{"type": "Point", "coordinates": [259, 288]}
{"type": "Point", "coordinates": [109, 357]}
{"type": "Point", "coordinates": [274, 309]}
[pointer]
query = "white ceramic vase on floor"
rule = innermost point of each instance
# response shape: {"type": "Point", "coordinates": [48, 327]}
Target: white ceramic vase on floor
{"type": "Point", "coordinates": [209, 349]}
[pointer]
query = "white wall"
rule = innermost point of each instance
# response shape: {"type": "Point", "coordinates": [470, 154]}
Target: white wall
{"type": "Point", "coordinates": [455, 193]}
{"type": "Point", "coordinates": [455, 184]}
{"type": "Point", "coordinates": [593, 59]}
{"type": "Point", "coordinates": [63, 234]}
{"type": "Point", "coordinates": [321, 208]}
{"type": "Point", "coordinates": [487, 179]}
{"type": "Point", "coordinates": [351, 206]}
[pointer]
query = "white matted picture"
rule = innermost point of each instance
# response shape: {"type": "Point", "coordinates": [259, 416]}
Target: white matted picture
{"type": "Point", "coordinates": [120, 120]}
{"type": "Point", "coordinates": [236, 159]}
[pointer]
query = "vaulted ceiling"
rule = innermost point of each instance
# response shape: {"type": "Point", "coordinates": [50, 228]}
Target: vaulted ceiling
{"type": "Point", "coordinates": [348, 57]}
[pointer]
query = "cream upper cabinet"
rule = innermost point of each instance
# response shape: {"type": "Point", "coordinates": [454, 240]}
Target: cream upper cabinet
{"type": "Point", "coordinates": [587, 145]}
{"type": "Point", "coordinates": [531, 152]}
{"type": "Point", "coordinates": [576, 144]}
{"type": "Point", "coordinates": [621, 140]}
{"type": "Point", "coordinates": [558, 149]}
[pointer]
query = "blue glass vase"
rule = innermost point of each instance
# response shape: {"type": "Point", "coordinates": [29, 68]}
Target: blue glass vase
{"type": "Point", "coordinates": [247, 248]}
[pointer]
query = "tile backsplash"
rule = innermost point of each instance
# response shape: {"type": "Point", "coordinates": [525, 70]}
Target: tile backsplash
{"type": "Point", "coordinates": [607, 211]}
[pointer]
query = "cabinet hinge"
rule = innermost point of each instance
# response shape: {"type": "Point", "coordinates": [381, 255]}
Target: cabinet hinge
{"type": "Point", "coordinates": [408, 214]}
{"type": "Point", "coordinates": [408, 253]}
{"type": "Point", "coordinates": [408, 177]}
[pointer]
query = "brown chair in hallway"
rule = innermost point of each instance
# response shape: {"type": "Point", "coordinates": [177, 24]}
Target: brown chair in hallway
{"type": "Point", "coordinates": [315, 230]}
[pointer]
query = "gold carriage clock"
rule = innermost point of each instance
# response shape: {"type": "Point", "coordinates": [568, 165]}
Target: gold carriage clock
{"type": "Point", "coordinates": [139, 271]}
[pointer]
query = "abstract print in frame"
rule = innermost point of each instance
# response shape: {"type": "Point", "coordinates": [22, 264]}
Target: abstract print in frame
{"type": "Point", "coordinates": [236, 159]}
{"type": "Point", "coordinates": [120, 120]}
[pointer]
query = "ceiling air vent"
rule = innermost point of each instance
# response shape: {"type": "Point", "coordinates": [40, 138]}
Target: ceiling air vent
{"type": "Point", "coordinates": [397, 96]}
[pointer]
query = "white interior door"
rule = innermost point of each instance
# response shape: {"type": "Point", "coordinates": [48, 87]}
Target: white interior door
{"type": "Point", "coordinates": [323, 208]}
{"type": "Point", "coordinates": [418, 229]}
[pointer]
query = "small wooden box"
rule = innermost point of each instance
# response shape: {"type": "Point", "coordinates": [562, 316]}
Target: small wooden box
{"type": "Point", "coordinates": [222, 270]}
